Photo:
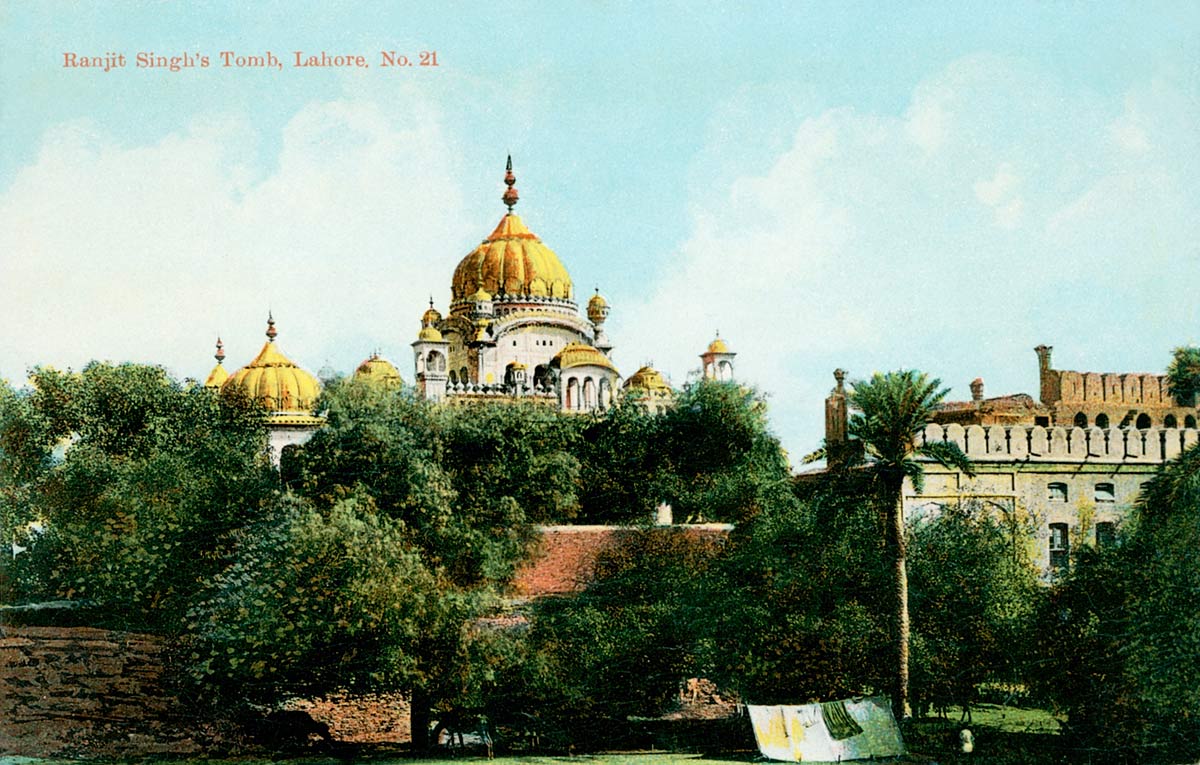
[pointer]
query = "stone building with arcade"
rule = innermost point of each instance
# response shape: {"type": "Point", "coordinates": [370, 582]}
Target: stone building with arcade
{"type": "Point", "coordinates": [1065, 468]}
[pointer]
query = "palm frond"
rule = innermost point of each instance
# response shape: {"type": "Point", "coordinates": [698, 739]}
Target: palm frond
{"type": "Point", "coordinates": [948, 455]}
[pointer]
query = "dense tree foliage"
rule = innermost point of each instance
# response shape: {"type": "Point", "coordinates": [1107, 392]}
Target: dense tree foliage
{"type": "Point", "coordinates": [973, 594]}
{"type": "Point", "coordinates": [621, 647]}
{"type": "Point", "coordinates": [1183, 375]}
{"type": "Point", "coordinates": [138, 482]}
{"type": "Point", "coordinates": [1121, 640]}
{"type": "Point", "coordinates": [711, 457]}
{"type": "Point", "coordinates": [798, 608]}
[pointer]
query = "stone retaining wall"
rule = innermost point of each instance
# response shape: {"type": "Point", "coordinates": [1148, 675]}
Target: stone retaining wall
{"type": "Point", "coordinates": [85, 692]}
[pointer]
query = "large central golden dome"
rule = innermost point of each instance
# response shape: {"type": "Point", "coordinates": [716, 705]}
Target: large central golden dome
{"type": "Point", "coordinates": [511, 261]}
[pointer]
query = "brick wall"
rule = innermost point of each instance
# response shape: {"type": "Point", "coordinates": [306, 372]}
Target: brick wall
{"type": "Point", "coordinates": [85, 692]}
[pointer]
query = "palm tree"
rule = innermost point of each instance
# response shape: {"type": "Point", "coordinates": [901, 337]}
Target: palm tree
{"type": "Point", "coordinates": [885, 430]}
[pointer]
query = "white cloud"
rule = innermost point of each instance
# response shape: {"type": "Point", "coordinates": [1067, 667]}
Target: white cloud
{"type": "Point", "coordinates": [148, 252]}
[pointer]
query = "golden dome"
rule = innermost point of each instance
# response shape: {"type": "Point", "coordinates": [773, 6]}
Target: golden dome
{"type": "Point", "coordinates": [379, 370]}
{"type": "Point", "coordinates": [597, 308]}
{"type": "Point", "coordinates": [430, 335]}
{"type": "Point", "coordinates": [431, 316]}
{"type": "Point", "coordinates": [718, 346]}
{"type": "Point", "coordinates": [275, 381]}
{"type": "Point", "coordinates": [481, 296]}
{"type": "Point", "coordinates": [218, 375]}
{"type": "Point", "coordinates": [578, 355]}
{"type": "Point", "coordinates": [512, 261]}
{"type": "Point", "coordinates": [647, 378]}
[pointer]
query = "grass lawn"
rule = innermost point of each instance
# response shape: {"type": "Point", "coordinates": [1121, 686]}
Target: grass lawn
{"type": "Point", "coordinates": [1003, 736]}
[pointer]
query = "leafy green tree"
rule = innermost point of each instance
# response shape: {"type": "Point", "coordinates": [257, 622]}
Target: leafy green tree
{"type": "Point", "coordinates": [1183, 375]}
{"type": "Point", "coordinates": [794, 609]}
{"type": "Point", "coordinates": [973, 597]}
{"type": "Point", "coordinates": [451, 482]}
{"type": "Point", "coordinates": [621, 647]}
{"type": "Point", "coordinates": [621, 461]}
{"type": "Point", "coordinates": [139, 482]}
{"type": "Point", "coordinates": [1123, 636]}
{"type": "Point", "coordinates": [322, 601]}
{"type": "Point", "coordinates": [720, 460]}
{"type": "Point", "coordinates": [890, 414]}
{"type": "Point", "coordinates": [521, 450]}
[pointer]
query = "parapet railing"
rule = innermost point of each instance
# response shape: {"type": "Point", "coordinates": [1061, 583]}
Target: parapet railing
{"type": "Point", "coordinates": [999, 443]}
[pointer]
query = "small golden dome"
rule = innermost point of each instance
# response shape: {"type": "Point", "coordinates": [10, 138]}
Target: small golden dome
{"type": "Point", "coordinates": [578, 355]}
{"type": "Point", "coordinates": [430, 335]}
{"type": "Point", "coordinates": [718, 346]}
{"type": "Point", "coordinates": [379, 370]}
{"type": "Point", "coordinates": [275, 381]}
{"type": "Point", "coordinates": [431, 315]}
{"type": "Point", "coordinates": [647, 378]}
{"type": "Point", "coordinates": [481, 296]}
{"type": "Point", "coordinates": [597, 308]}
{"type": "Point", "coordinates": [218, 375]}
{"type": "Point", "coordinates": [512, 260]}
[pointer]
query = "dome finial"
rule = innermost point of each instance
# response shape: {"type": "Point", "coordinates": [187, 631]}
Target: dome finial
{"type": "Point", "coordinates": [510, 194]}
{"type": "Point", "coordinates": [220, 354]}
{"type": "Point", "coordinates": [271, 331]}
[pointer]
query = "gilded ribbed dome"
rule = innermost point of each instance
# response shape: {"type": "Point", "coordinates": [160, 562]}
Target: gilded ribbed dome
{"type": "Point", "coordinates": [512, 260]}
{"type": "Point", "coordinates": [378, 370]}
{"type": "Point", "coordinates": [647, 378]}
{"type": "Point", "coordinates": [430, 335]}
{"type": "Point", "coordinates": [578, 355]}
{"type": "Point", "coordinates": [597, 308]}
{"type": "Point", "coordinates": [431, 316]}
{"type": "Point", "coordinates": [275, 381]}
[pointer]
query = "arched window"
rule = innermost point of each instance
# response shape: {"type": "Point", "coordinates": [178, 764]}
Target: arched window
{"type": "Point", "coordinates": [1056, 492]}
{"type": "Point", "coordinates": [453, 378]}
{"type": "Point", "coordinates": [1060, 546]}
{"type": "Point", "coordinates": [1081, 420]}
{"type": "Point", "coordinates": [1105, 492]}
{"type": "Point", "coordinates": [463, 377]}
{"type": "Point", "coordinates": [724, 371]}
{"type": "Point", "coordinates": [1170, 422]}
{"type": "Point", "coordinates": [589, 394]}
{"type": "Point", "coordinates": [1143, 421]}
{"type": "Point", "coordinates": [435, 362]}
{"type": "Point", "coordinates": [1189, 421]}
{"type": "Point", "coordinates": [573, 393]}
{"type": "Point", "coordinates": [1102, 420]}
{"type": "Point", "coordinates": [1106, 533]}
{"type": "Point", "coordinates": [605, 393]}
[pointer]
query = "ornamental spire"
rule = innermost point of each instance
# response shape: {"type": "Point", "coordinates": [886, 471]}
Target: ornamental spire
{"type": "Point", "coordinates": [271, 331]}
{"type": "Point", "coordinates": [510, 194]}
{"type": "Point", "coordinates": [220, 354]}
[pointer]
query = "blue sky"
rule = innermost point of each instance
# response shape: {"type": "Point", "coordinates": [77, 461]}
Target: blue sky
{"type": "Point", "coordinates": [867, 185]}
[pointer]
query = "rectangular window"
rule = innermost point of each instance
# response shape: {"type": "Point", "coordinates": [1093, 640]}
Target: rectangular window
{"type": "Point", "coordinates": [1105, 492]}
{"type": "Point", "coordinates": [1060, 546]}
{"type": "Point", "coordinates": [1056, 492]}
{"type": "Point", "coordinates": [1106, 533]}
